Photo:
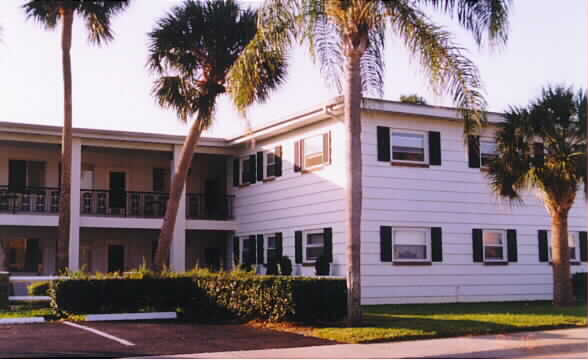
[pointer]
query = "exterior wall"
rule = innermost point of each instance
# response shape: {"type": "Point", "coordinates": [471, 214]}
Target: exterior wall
{"type": "Point", "coordinates": [296, 201]}
{"type": "Point", "coordinates": [47, 240]}
{"type": "Point", "coordinates": [457, 199]}
{"type": "Point", "coordinates": [48, 153]}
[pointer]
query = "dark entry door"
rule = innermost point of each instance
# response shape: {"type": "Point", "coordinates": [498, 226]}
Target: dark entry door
{"type": "Point", "coordinates": [118, 188]}
{"type": "Point", "coordinates": [116, 258]}
{"type": "Point", "coordinates": [212, 258]}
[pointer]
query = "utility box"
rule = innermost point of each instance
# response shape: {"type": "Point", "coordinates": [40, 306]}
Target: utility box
{"type": "Point", "coordinates": [4, 289]}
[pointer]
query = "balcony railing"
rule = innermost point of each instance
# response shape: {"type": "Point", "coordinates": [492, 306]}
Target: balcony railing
{"type": "Point", "coordinates": [123, 203]}
{"type": "Point", "coordinates": [36, 200]}
{"type": "Point", "coordinates": [208, 207]}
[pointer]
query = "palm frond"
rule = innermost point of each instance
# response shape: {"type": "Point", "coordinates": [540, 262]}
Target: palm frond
{"type": "Point", "coordinates": [447, 68]}
{"type": "Point", "coordinates": [46, 13]}
{"type": "Point", "coordinates": [372, 63]}
{"type": "Point", "coordinates": [98, 16]}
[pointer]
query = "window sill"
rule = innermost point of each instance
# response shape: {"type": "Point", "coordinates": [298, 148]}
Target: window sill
{"type": "Point", "coordinates": [571, 263]}
{"type": "Point", "coordinates": [495, 262]}
{"type": "Point", "coordinates": [412, 263]}
{"type": "Point", "coordinates": [269, 179]}
{"type": "Point", "coordinates": [413, 165]}
{"type": "Point", "coordinates": [309, 264]}
{"type": "Point", "coordinates": [313, 169]}
{"type": "Point", "coordinates": [244, 185]}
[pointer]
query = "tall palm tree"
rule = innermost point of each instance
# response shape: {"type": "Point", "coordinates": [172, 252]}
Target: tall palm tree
{"type": "Point", "coordinates": [97, 16]}
{"type": "Point", "coordinates": [192, 50]}
{"type": "Point", "coordinates": [543, 146]}
{"type": "Point", "coordinates": [346, 37]}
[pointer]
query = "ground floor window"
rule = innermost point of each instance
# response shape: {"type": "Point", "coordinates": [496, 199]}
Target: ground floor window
{"type": "Point", "coordinates": [314, 245]}
{"type": "Point", "coordinates": [572, 241]}
{"type": "Point", "coordinates": [411, 244]}
{"type": "Point", "coordinates": [494, 245]}
{"type": "Point", "coordinates": [272, 247]}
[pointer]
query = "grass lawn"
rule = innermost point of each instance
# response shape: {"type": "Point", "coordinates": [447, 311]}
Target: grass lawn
{"type": "Point", "coordinates": [406, 322]}
{"type": "Point", "coordinates": [17, 311]}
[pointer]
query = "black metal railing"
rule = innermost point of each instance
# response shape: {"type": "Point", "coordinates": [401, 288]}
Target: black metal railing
{"type": "Point", "coordinates": [123, 203]}
{"type": "Point", "coordinates": [36, 200]}
{"type": "Point", "coordinates": [208, 207]}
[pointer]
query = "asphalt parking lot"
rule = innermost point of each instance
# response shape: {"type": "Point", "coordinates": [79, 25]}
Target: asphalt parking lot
{"type": "Point", "coordinates": [137, 339]}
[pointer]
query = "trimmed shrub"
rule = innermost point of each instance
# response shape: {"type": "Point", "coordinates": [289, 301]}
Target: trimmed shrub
{"type": "Point", "coordinates": [272, 298]}
{"type": "Point", "coordinates": [579, 284]}
{"type": "Point", "coordinates": [88, 296]}
{"type": "Point", "coordinates": [322, 266]}
{"type": "Point", "coordinates": [40, 288]}
{"type": "Point", "coordinates": [271, 268]}
{"type": "Point", "coordinates": [285, 266]}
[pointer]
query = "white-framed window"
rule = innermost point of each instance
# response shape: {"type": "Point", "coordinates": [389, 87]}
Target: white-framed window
{"type": "Point", "coordinates": [314, 245]}
{"type": "Point", "coordinates": [488, 151]}
{"type": "Point", "coordinates": [248, 249]}
{"type": "Point", "coordinates": [494, 245]}
{"type": "Point", "coordinates": [246, 175]}
{"type": "Point", "coordinates": [411, 244]}
{"type": "Point", "coordinates": [313, 151]}
{"type": "Point", "coordinates": [409, 146]}
{"type": "Point", "coordinates": [573, 237]}
{"type": "Point", "coordinates": [271, 245]}
{"type": "Point", "coordinates": [270, 168]}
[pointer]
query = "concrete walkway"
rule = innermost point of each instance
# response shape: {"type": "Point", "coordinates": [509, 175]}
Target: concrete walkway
{"type": "Point", "coordinates": [568, 343]}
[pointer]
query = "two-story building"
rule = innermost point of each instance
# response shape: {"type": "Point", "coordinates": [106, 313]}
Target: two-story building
{"type": "Point", "coordinates": [432, 231]}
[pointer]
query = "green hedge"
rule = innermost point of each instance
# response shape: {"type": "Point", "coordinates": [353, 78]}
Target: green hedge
{"type": "Point", "coordinates": [207, 298]}
{"type": "Point", "coordinates": [579, 283]}
{"type": "Point", "coordinates": [98, 296]}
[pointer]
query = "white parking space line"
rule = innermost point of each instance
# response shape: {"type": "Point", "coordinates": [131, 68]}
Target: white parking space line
{"type": "Point", "coordinates": [100, 333]}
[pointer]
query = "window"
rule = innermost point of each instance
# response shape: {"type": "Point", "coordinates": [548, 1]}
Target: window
{"type": "Point", "coordinates": [494, 245]}
{"type": "Point", "coordinates": [408, 146]}
{"type": "Point", "coordinates": [272, 247]}
{"type": "Point", "coordinates": [25, 255]}
{"type": "Point", "coordinates": [314, 152]}
{"type": "Point", "coordinates": [314, 245]}
{"type": "Point", "coordinates": [246, 167]}
{"type": "Point", "coordinates": [23, 174]}
{"type": "Point", "coordinates": [411, 245]}
{"type": "Point", "coordinates": [270, 165]}
{"type": "Point", "coordinates": [488, 151]}
{"type": "Point", "coordinates": [248, 252]}
{"type": "Point", "coordinates": [572, 245]}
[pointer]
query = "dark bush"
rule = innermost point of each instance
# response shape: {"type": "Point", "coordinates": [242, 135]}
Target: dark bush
{"type": "Point", "coordinates": [285, 266]}
{"type": "Point", "coordinates": [579, 284]}
{"type": "Point", "coordinates": [322, 266]}
{"type": "Point", "coordinates": [271, 268]}
{"type": "Point", "coordinates": [39, 288]}
{"type": "Point", "coordinates": [93, 296]}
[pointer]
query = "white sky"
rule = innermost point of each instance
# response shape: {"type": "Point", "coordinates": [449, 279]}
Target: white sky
{"type": "Point", "coordinates": [548, 44]}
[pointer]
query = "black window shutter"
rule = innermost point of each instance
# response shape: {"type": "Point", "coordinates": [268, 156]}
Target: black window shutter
{"type": "Point", "coordinates": [279, 246]}
{"type": "Point", "coordinates": [436, 244]}
{"type": "Point", "coordinates": [260, 165]}
{"type": "Point", "coordinates": [260, 257]}
{"type": "Point", "coordinates": [385, 243]}
{"type": "Point", "coordinates": [236, 172]}
{"type": "Point", "coordinates": [297, 156]}
{"type": "Point", "coordinates": [236, 250]}
{"type": "Point", "coordinates": [434, 148]}
{"type": "Point", "coordinates": [583, 246]}
{"type": "Point", "coordinates": [252, 167]}
{"type": "Point", "coordinates": [298, 247]}
{"type": "Point", "coordinates": [477, 245]}
{"type": "Point", "coordinates": [278, 161]}
{"type": "Point", "coordinates": [538, 155]}
{"type": "Point", "coordinates": [383, 143]}
{"type": "Point", "coordinates": [511, 238]}
{"type": "Point", "coordinates": [17, 175]}
{"type": "Point", "coordinates": [328, 234]}
{"type": "Point", "coordinates": [252, 250]}
{"type": "Point", "coordinates": [474, 151]}
{"type": "Point", "coordinates": [543, 246]}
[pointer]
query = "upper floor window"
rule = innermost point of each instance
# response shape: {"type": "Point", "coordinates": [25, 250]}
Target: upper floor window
{"type": "Point", "coordinates": [572, 245]}
{"type": "Point", "coordinates": [409, 146]}
{"type": "Point", "coordinates": [488, 151]}
{"type": "Point", "coordinates": [494, 245]}
{"type": "Point", "coordinates": [411, 244]}
{"type": "Point", "coordinates": [270, 168]}
{"type": "Point", "coordinates": [312, 152]}
{"type": "Point", "coordinates": [23, 174]}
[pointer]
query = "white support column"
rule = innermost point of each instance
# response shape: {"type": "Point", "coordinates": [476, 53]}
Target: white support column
{"type": "Point", "coordinates": [177, 256]}
{"type": "Point", "coordinates": [74, 227]}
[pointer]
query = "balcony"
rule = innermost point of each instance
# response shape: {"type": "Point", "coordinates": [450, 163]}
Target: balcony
{"type": "Point", "coordinates": [29, 200]}
{"type": "Point", "coordinates": [208, 207]}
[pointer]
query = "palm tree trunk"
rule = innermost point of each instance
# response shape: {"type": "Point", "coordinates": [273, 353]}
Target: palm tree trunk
{"type": "Point", "coordinates": [66, 156]}
{"type": "Point", "coordinates": [353, 191]}
{"type": "Point", "coordinates": [562, 281]}
{"type": "Point", "coordinates": [177, 186]}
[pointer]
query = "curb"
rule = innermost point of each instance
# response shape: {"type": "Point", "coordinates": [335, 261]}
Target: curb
{"type": "Point", "coordinates": [132, 316]}
{"type": "Point", "coordinates": [27, 320]}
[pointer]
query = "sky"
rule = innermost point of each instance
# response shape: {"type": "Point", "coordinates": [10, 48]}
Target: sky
{"type": "Point", "coordinates": [111, 85]}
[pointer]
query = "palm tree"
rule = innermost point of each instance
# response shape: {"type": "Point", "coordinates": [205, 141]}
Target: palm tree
{"type": "Point", "coordinates": [192, 50]}
{"type": "Point", "coordinates": [543, 147]}
{"type": "Point", "coordinates": [346, 37]}
{"type": "Point", "coordinates": [97, 15]}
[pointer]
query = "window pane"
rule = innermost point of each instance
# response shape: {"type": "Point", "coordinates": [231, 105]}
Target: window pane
{"type": "Point", "coordinates": [271, 242]}
{"type": "Point", "coordinates": [312, 253]}
{"type": "Point", "coordinates": [270, 170]}
{"type": "Point", "coordinates": [488, 147]}
{"type": "Point", "coordinates": [408, 147]}
{"type": "Point", "coordinates": [493, 238]}
{"type": "Point", "coordinates": [271, 158]}
{"type": "Point", "coordinates": [315, 239]}
{"type": "Point", "coordinates": [493, 253]}
{"type": "Point", "coordinates": [415, 252]}
{"type": "Point", "coordinates": [572, 253]}
{"type": "Point", "coordinates": [407, 237]}
{"type": "Point", "coordinates": [272, 255]}
{"type": "Point", "coordinates": [313, 145]}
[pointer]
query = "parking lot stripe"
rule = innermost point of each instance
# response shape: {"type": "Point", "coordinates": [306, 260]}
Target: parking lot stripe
{"type": "Point", "coordinates": [100, 333]}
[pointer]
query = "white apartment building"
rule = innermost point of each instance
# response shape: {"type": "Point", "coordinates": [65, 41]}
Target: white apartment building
{"type": "Point", "coordinates": [431, 229]}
